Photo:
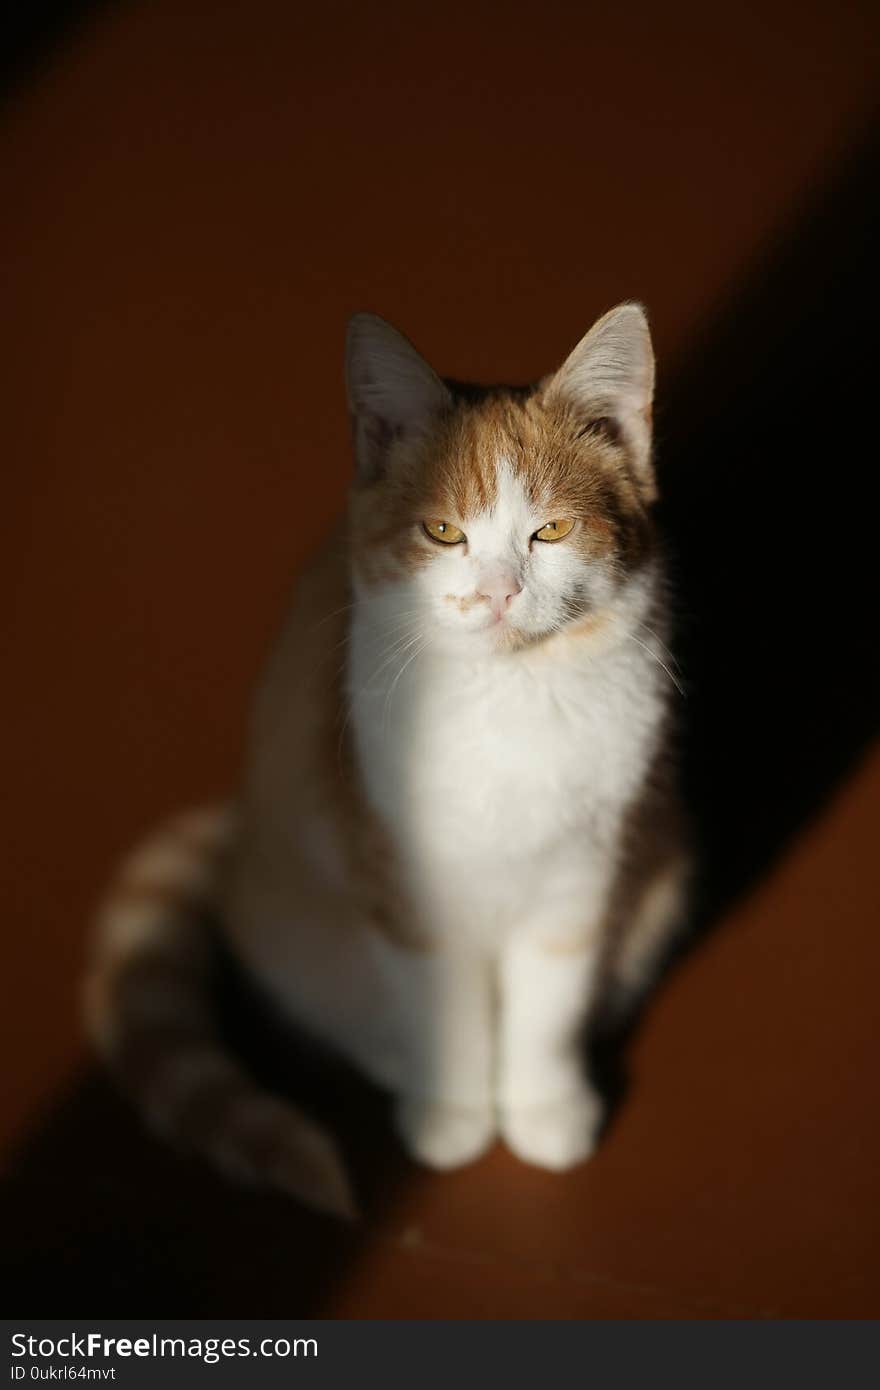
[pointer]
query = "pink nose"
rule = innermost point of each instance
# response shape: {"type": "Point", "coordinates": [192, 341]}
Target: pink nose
{"type": "Point", "coordinates": [500, 592]}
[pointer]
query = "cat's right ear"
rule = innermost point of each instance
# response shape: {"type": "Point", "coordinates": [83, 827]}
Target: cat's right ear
{"type": "Point", "coordinates": [392, 392]}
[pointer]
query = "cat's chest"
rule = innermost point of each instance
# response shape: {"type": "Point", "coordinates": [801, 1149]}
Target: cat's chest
{"type": "Point", "coordinates": [498, 761]}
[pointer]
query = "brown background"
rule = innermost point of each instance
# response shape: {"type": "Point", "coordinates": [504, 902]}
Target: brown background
{"type": "Point", "coordinates": [195, 197]}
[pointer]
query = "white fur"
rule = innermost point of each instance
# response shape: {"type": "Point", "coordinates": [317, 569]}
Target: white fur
{"type": "Point", "coordinates": [503, 778]}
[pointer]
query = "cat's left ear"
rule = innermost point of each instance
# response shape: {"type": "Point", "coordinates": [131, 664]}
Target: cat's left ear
{"type": "Point", "coordinates": [610, 377]}
{"type": "Point", "coordinates": [392, 392]}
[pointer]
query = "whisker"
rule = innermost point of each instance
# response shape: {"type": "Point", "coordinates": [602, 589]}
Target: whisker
{"type": "Point", "coordinates": [386, 709]}
{"type": "Point", "coordinates": [659, 640]}
{"type": "Point", "coordinates": [404, 627]}
{"type": "Point", "coordinates": [398, 647]}
{"type": "Point", "coordinates": [662, 664]}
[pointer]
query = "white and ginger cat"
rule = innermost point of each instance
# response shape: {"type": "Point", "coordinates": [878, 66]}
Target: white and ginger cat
{"type": "Point", "coordinates": [450, 853]}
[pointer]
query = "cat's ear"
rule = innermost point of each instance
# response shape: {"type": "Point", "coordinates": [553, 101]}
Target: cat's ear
{"type": "Point", "coordinates": [392, 392]}
{"type": "Point", "coordinates": [609, 378]}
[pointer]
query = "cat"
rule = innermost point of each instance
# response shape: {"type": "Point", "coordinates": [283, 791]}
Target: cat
{"type": "Point", "coordinates": [458, 837]}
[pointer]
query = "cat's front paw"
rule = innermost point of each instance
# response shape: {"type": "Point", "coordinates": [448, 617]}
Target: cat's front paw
{"type": "Point", "coordinates": [557, 1135]}
{"type": "Point", "coordinates": [442, 1136]}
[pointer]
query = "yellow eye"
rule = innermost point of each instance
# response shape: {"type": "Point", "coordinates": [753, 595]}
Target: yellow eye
{"type": "Point", "coordinates": [554, 530]}
{"type": "Point", "coordinates": [444, 531]}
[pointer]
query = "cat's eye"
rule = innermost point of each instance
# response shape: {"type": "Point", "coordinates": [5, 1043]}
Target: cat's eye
{"type": "Point", "coordinates": [444, 532]}
{"type": "Point", "coordinates": [554, 530]}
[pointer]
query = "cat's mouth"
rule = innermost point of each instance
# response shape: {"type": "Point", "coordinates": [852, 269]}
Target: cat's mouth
{"type": "Point", "coordinates": [492, 622]}
{"type": "Point", "coordinates": [502, 633]}
{"type": "Point", "coordinates": [479, 617]}
{"type": "Point", "coordinates": [499, 628]}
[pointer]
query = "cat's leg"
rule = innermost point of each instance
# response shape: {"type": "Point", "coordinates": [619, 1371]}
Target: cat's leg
{"type": "Point", "coordinates": [442, 1003]}
{"type": "Point", "coordinates": [549, 1113]}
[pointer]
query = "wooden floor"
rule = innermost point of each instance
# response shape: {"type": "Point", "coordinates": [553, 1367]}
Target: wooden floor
{"type": "Point", "coordinates": [194, 198]}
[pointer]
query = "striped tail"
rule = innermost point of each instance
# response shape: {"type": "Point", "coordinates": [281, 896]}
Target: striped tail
{"type": "Point", "coordinates": [150, 1012]}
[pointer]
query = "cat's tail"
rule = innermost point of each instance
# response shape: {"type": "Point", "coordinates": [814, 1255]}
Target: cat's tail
{"type": "Point", "coordinates": [151, 1012]}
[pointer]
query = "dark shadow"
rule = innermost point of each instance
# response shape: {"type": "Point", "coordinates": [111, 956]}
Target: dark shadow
{"type": "Point", "coordinates": [96, 1212]}
{"type": "Point", "coordinates": [768, 441]}
{"type": "Point", "coordinates": [767, 445]}
{"type": "Point", "coordinates": [33, 33]}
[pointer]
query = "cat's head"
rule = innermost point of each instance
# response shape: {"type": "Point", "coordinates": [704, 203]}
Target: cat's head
{"type": "Point", "coordinates": [496, 517]}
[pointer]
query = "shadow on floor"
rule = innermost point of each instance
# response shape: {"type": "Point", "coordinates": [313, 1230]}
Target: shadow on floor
{"type": "Point", "coordinates": [766, 447]}
{"type": "Point", "coordinates": [769, 440]}
{"type": "Point", "coordinates": [767, 450]}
